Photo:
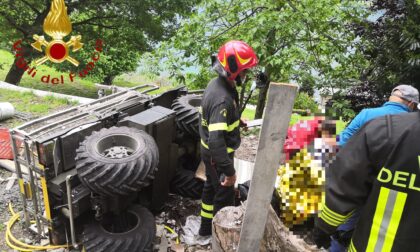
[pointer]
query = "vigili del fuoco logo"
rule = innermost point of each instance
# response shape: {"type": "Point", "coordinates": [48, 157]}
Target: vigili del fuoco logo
{"type": "Point", "coordinates": [57, 25]}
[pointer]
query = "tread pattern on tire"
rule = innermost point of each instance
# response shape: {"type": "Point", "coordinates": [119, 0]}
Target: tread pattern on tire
{"type": "Point", "coordinates": [139, 239]}
{"type": "Point", "coordinates": [187, 115]}
{"type": "Point", "coordinates": [117, 177]}
{"type": "Point", "coordinates": [186, 184]}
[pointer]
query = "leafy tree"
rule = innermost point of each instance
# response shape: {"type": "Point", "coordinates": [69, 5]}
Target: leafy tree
{"type": "Point", "coordinates": [306, 41]}
{"type": "Point", "coordinates": [391, 45]}
{"type": "Point", "coordinates": [128, 28]}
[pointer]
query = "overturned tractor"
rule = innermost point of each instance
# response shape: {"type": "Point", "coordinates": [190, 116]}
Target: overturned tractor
{"type": "Point", "coordinates": [97, 172]}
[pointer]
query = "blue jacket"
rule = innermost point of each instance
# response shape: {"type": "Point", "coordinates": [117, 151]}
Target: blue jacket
{"type": "Point", "coordinates": [366, 115]}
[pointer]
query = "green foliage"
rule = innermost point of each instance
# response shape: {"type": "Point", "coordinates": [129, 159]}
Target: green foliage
{"type": "Point", "coordinates": [341, 109]}
{"type": "Point", "coordinates": [392, 45]}
{"type": "Point", "coordinates": [302, 41]}
{"type": "Point", "coordinates": [127, 28]}
{"type": "Point", "coordinates": [248, 114]}
{"type": "Point", "coordinates": [305, 102]}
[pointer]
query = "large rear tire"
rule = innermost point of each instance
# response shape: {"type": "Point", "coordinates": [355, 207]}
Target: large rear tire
{"type": "Point", "coordinates": [186, 184]}
{"type": "Point", "coordinates": [117, 161]}
{"type": "Point", "coordinates": [186, 108]}
{"type": "Point", "coordinates": [133, 232]}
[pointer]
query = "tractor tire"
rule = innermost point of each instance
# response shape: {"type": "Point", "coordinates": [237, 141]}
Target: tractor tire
{"type": "Point", "coordinates": [187, 117]}
{"type": "Point", "coordinates": [135, 233]}
{"type": "Point", "coordinates": [117, 161]}
{"type": "Point", "coordinates": [186, 184]}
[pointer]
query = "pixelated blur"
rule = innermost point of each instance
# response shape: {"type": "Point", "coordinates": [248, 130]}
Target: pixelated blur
{"type": "Point", "coordinates": [310, 149]}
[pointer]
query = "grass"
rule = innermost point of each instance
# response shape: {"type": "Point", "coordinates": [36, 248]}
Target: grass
{"type": "Point", "coordinates": [248, 114]}
{"type": "Point", "coordinates": [27, 102]}
{"type": "Point", "coordinates": [79, 87]}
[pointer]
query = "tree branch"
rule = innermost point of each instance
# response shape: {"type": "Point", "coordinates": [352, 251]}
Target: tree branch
{"type": "Point", "coordinates": [87, 21]}
{"type": "Point", "coordinates": [237, 23]}
{"type": "Point", "coordinates": [104, 26]}
{"type": "Point", "coordinates": [14, 24]}
{"type": "Point", "coordinates": [31, 6]}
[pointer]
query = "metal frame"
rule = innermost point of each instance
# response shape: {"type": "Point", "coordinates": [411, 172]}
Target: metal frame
{"type": "Point", "coordinates": [31, 186]}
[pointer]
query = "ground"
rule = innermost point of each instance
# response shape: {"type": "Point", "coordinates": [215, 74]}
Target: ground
{"type": "Point", "coordinates": [173, 215]}
{"type": "Point", "coordinates": [6, 197]}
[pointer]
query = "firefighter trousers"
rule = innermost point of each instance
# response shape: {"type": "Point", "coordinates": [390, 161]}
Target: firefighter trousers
{"type": "Point", "coordinates": [215, 196]}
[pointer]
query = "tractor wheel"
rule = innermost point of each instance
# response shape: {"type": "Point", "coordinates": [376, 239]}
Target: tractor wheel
{"type": "Point", "coordinates": [133, 230]}
{"type": "Point", "coordinates": [117, 161]}
{"type": "Point", "coordinates": [186, 108]}
{"type": "Point", "coordinates": [186, 184]}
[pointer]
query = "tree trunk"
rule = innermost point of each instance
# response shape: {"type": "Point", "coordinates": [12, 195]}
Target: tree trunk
{"type": "Point", "coordinates": [227, 227]}
{"type": "Point", "coordinates": [261, 102]}
{"type": "Point", "coordinates": [242, 95]}
{"type": "Point", "coordinates": [108, 80]}
{"type": "Point", "coordinates": [18, 68]}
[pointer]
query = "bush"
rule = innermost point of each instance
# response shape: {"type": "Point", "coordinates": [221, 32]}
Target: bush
{"type": "Point", "coordinates": [340, 108]}
{"type": "Point", "coordinates": [305, 102]}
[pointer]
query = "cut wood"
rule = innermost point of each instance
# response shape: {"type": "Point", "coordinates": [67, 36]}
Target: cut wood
{"type": "Point", "coordinates": [281, 97]}
{"type": "Point", "coordinates": [227, 227]}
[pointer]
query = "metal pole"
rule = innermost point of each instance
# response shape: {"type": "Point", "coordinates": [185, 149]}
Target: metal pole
{"type": "Point", "coordinates": [20, 177]}
{"type": "Point", "coordinates": [71, 217]}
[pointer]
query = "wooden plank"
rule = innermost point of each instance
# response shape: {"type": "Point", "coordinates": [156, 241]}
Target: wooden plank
{"type": "Point", "coordinates": [281, 97]}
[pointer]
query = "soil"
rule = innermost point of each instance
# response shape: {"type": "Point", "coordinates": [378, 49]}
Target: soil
{"type": "Point", "coordinates": [248, 149]}
{"type": "Point", "coordinates": [6, 197]}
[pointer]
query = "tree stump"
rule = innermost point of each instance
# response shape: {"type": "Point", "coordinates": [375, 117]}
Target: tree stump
{"type": "Point", "coordinates": [277, 237]}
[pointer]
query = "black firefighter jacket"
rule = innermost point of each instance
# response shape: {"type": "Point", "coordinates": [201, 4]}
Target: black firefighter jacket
{"type": "Point", "coordinates": [379, 170]}
{"type": "Point", "coordinates": [219, 127]}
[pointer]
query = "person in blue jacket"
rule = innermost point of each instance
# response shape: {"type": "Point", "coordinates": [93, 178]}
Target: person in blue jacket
{"type": "Point", "coordinates": [403, 99]}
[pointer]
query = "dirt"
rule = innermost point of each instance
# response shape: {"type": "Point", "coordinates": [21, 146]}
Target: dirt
{"type": "Point", "coordinates": [6, 197]}
{"type": "Point", "coordinates": [248, 149]}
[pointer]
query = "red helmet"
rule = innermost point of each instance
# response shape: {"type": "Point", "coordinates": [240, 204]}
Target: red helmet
{"type": "Point", "coordinates": [236, 56]}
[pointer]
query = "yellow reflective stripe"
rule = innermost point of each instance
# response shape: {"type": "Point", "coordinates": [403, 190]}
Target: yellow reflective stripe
{"type": "Point", "coordinates": [218, 126]}
{"type": "Point", "coordinates": [377, 219]}
{"type": "Point", "coordinates": [228, 149]}
{"type": "Point", "coordinates": [204, 144]}
{"type": "Point", "coordinates": [352, 248]}
{"type": "Point", "coordinates": [395, 221]}
{"type": "Point", "coordinates": [330, 220]}
{"type": "Point", "coordinates": [233, 126]}
{"type": "Point", "coordinates": [206, 215]}
{"type": "Point", "coordinates": [336, 215]}
{"type": "Point", "coordinates": [207, 207]}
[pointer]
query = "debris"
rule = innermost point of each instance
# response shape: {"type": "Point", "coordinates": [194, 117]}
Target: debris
{"type": "Point", "coordinates": [45, 242]}
{"type": "Point", "coordinates": [191, 227]}
{"type": "Point", "coordinates": [159, 230]}
{"type": "Point", "coordinates": [11, 181]}
{"type": "Point", "coordinates": [163, 247]}
{"type": "Point", "coordinates": [177, 248]}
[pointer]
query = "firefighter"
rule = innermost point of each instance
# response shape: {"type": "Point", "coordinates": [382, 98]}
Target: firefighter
{"type": "Point", "coordinates": [219, 128]}
{"type": "Point", "coordinates": [403, 99]}
{"type": "Point", "coordinates": [379, 169]}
